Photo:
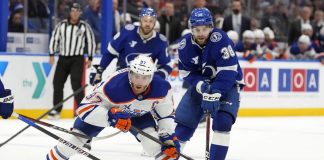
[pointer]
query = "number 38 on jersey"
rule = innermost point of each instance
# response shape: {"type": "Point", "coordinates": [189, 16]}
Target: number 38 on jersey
{"type": "Point", "coordinates": [227, 52]}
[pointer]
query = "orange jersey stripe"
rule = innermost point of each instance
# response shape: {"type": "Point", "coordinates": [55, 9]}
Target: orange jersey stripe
{"type": "Point", "coordinates": [52, 154]}
{"type": "Point", "coordinates": [85, 109]}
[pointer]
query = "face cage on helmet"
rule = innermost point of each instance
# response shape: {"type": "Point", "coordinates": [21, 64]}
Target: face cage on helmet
{"type": "Point", "coordinates": [130, 72]}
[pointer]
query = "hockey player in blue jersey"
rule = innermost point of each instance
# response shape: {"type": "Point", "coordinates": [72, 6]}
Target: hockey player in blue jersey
{"type": "Point", "coordinates": [209, 64]}
{"type": "Point", "coordinates": [132, 41]}
{"type": "Point", "coordinates": [128, 98]}
{"type": "Point", "coordinates": [6, 102]}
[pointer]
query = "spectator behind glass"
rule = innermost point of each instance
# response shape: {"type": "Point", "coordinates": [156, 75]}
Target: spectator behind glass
{"type": "Point", "coordinates": [93, 17]}
{"type": "Point", "coordinates": [295, 26]}
{"type": "Point", "coordinates": [236, 21]}
{"type": "Point", "coordinates": [63, 9]}
{"type": "Point", "coordinates": [169, 23]}
{"type": "Point", "coordinates": [16, 21]}
{"type": "Point", "coordinates": [199, 3]}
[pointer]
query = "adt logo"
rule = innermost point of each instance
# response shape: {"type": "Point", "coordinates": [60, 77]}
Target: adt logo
{"type": "Point", "coordinates": [3, 67]}
{"type": "Point", "coordinates": [41, 72]}
{"type": "Point", "coordinates": [257, 79]}
{"type": "Point", "coordinates": [298, 80]}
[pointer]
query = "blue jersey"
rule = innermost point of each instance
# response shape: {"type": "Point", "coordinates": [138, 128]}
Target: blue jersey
{"type": "Point", "coordinates": [2, 89]}
{"type": "Point", "coordinates": [216, 62]}
{"type": "Point", "coordinates": [128, 43]}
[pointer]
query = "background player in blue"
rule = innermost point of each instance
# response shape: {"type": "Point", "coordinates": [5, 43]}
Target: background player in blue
{"type": "Point", "coordinates": [126, 99]}
{"type": "Point", "coordinates": [6, 102]}
{"type": "Point", "coordinates": [132, 41]}
{"type": "Point", "coordinates": [209, 64]}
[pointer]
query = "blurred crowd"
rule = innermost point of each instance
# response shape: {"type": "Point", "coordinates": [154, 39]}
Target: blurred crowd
{"type": "Point", "coordinates": [260, 29]}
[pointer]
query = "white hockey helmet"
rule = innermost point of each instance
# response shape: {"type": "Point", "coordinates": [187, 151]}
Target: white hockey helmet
{"type": "Point", "coordinates": [304, 39]}
{"type": "Point", "coordinates": [269, 32]}
{"type": "Point", "coordinates": [233, 36]}
{"type": "Point", "coordinates": [258, 33]}
{"type": "Point", "coordinates": [259, 36]}
{"type": "Point", "coordinates": [141, 71]}
{"type": "Point", "coordinates": [143, 65]}
{"type": "Point", "coordinates": [248, 36]}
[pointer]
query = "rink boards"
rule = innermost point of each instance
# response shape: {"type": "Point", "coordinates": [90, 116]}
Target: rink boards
{"type": "Point", "coordinates": [276, 88]}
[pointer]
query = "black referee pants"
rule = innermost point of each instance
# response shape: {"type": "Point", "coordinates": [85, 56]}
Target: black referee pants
{"type": "Point", "coordinates": [66, 66]}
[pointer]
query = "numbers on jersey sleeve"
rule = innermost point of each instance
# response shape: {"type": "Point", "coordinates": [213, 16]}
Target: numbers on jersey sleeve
{"type": "Point", "coordinates": [94, 98]}
{"type": "Point", "coordinates": [227, 52]}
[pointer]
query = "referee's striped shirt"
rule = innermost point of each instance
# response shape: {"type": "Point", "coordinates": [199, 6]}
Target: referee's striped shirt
{"type": "Point", "coordinates": [70, 39]}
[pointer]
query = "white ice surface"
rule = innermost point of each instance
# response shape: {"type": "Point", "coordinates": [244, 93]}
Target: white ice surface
{"type": "Point", "coordinates": [284, 138]}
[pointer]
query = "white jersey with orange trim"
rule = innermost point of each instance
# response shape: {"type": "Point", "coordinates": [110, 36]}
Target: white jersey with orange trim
{"type": "Point", "coordinates": [117, 92]}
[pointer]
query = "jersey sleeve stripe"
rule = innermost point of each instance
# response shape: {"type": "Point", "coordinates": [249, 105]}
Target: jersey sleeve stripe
{"type": "Point", "coordinates": [84, 109]}
{"type": "Point", "coordinates": [227, 68]}
{"type": "Point", "coordinates": [112, 50]}
{"type": "Point", "coordinates": [52, 155]}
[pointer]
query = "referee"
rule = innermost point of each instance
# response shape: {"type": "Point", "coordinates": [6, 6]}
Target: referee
{"type": "Point", "coordinates": [70, 38]}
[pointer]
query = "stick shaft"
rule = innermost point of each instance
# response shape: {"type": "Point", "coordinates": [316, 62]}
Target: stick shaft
{"type": "Point", "coordinates": [68, 144]}
{"type": "Point", "coordinates": [43, 115]}
{"type": "Point", "coordinates": [68, 131]}
{"type": "Point", "coordinates": [207, 152]}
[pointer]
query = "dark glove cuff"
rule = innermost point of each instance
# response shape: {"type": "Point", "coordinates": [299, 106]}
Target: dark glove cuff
{"type": "Point", "coordinates": [100, 70]}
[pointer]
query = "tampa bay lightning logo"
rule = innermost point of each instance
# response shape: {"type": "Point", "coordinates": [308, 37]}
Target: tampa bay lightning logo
{"type": "Point", "coordinates": [182, 44]}
{"type": "Point", "coordinates": [215, 37]}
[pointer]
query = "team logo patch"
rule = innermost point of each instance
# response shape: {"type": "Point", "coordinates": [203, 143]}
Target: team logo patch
{"type": "Point", "coordinates": [129, 27]}
{"type": "Point", "coordinates": [182, 44]}
{"type": "Point", "coordinates": [215, 37]}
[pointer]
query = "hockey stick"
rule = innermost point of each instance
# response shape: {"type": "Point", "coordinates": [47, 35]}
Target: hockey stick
{"type": "Point", "coordinates": [68, 144]}
{"type": "Point", "coordinates": [207, 153]}
{"type": "Point", "coordinates": [68, 131]}
{"type": "Point", "coordinates": [43, 115]}
{"type": "Point", "coordinates": [134, 129]}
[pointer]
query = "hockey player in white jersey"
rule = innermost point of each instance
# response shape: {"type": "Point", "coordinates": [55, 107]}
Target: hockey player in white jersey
{"type": "Point", "coordinates": [129, 97]}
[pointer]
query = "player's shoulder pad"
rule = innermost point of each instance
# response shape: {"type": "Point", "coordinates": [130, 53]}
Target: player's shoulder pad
{"type": "Point", "coordinates": [159, 87]}
{"type": "Point", "coordinates": [163, 38]}
{"type": "Point", "coordinates": [217, 35]}
{"type": "Point", "coordinates": [182, 43]}
{"type": "Point", "coordinates": [117, 88]}
{"type": "Point", "coordinates": [129, 27]}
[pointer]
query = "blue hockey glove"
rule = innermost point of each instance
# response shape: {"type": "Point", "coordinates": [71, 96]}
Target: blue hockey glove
{"type": "Point", "coordinates": [172, 147]}
{"type": "Point", "coordinates": [210, 102]}
{"type": "Point", "coordinates": [96, 77]}
{"type": "Point", "coordinates": [202, 87]}
{"type": "Point", "coordinates": [6, 104]}
{"type": "Point", "coordinates": [119, 119]}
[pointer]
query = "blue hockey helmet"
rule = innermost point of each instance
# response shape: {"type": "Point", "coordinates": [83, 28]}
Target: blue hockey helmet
{"type": "Point", "coordinates": [200, 17]}
{"type": "Point", "coordinates": [147, 12]}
